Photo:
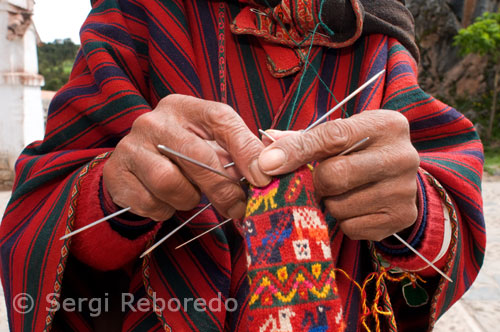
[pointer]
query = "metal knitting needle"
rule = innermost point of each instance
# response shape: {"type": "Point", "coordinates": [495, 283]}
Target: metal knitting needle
{"type": "Point", "coordinates": [205, 232]}
{"type": "Point", "coordinates": [117, 213]}
{"type": "Point", "coordinates": [422, 257]}
{"type": "Point", "coordinates": [210, 204]}
{"type": "Point", "coordinates": [95, 223]}
{"type": "Point", "coordinates": [395, 234]}
{"type": "Point", "coordinates": [270, 137]}
{"type": "Point", "coordinates": [355, 146]}
{"type": "Point", "coordinates": [154, 246]}
{"type": "Point", "coordinates": [164, 149]}
{"type": "Point", "coordinates": [358, 90]}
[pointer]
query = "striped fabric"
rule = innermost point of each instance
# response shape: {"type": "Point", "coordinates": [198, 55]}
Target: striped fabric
{"type": "Point", "coordinates": [135, 52]}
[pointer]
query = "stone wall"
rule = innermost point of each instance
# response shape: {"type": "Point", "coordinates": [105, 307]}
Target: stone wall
{"type": "Point", "coordinates": [6, 174]}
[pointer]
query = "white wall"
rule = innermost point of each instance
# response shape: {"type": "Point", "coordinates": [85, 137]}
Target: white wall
{"type": "Point", "coordinates": [21, 112]}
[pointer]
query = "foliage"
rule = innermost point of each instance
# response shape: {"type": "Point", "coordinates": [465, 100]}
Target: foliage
{"type": "Point", "coordinates": [492, 160]}
{"type": "Point", "coordinates": [482, 37]}
{"type": "Point", "coordinates": [55, 61]}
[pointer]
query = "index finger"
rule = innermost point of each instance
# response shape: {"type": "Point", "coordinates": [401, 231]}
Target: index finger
{"type": "Point", "coordinates": [220, 122]}
{"type": "Point", "coordinates": [327, 140]}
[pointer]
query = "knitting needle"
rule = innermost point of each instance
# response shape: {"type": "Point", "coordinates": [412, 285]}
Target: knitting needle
{"type": "Point", "coordinates": [205, 232]}
{"type": "Point", "coordinates": [164, 149]}
{"type": "Point", "coordinates": [117, 213]}
{"type": "Point", "coordinates": [95, 223]}
{"type": "Point", "coordinates": [154, 246]}
{"type": "Point", "coordinates": [422, 257]}
{"type": "Point", "coordinates": [395, 235]}
{"type": "Point", "coordinates": [345, 100]}
{"type": "Point", "coordinates": [270, 137]}
{"type": "Point", "coordinates": [340, 154]}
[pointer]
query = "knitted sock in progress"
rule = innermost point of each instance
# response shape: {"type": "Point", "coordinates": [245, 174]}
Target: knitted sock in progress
{"type": "Point", "coordinates": [290, 267]}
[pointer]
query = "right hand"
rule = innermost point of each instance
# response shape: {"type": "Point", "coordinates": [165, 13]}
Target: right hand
{"type": "Point", "coordinates": [155, 186]}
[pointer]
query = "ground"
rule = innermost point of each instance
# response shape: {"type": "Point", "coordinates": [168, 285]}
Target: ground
{"type": "Point", "coordinates": [477, 311]}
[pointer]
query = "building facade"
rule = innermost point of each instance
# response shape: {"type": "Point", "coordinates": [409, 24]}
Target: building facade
{"type": "Point", "coordinates": [21, 112]}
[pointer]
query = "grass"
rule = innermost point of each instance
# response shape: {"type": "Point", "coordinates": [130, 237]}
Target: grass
{"type": "Point", "coordinates": [492, 160]}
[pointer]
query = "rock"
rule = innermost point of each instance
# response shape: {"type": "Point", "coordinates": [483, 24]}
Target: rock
{"type": "Point", "coordinates": [442, 71]}
{"type": "Point", "coordinates": [6, 186]}
{"type": "Point", "coordinates": [4, 163]}
{"type": "Point", "coordinates": [6, 175]}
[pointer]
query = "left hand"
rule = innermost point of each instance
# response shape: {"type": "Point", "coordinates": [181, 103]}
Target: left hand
{"type": "Point", "coordinates": [372, 191]}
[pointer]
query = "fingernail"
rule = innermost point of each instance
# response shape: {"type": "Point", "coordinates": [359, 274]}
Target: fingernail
{"type": "Point", "coordinates": [237, 211]}
{"type": "Point", "coordinates": [272, 159]}
{"type": "Point", "coordinates": [260, 178]}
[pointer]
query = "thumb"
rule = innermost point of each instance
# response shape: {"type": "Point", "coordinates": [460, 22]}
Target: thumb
{"type": "Point", "coordinates": [292, 151]}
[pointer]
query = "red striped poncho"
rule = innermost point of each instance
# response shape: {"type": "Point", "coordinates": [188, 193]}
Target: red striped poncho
{"type": "Point", "coordinates": [134, 52]}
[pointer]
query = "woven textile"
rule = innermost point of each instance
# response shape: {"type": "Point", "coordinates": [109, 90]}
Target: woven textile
{"type": "Point", "coordinates": [134, 53]}
{"type": "Point", "coordinates": [290, 266]}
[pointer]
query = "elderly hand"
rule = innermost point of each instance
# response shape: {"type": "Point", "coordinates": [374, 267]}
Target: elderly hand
{"type": "Point", "coordinates": [371, 192]}
{"type": "Point", "coordinates": [155, 186]}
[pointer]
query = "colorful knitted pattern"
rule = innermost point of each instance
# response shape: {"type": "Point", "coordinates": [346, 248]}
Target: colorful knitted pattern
{"type": "Point", "coordinates": [290, 266]}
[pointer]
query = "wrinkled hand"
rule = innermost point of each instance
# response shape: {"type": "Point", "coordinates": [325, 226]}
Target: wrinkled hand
{"type": "Point", "coordinates": [154, 186]}
{"type": "Point", "coordinates": [372, 191]}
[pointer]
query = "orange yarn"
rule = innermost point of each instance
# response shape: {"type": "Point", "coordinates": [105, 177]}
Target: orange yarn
{"type": "Point", "coordinates": [375, 311]}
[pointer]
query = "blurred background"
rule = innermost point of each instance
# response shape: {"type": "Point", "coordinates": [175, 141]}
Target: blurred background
{"type": "Point", "coordinates": [460, 64]}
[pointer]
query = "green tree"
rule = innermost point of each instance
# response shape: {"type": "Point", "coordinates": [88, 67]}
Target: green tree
{"type": "Point", "coordinates": [55, 61]}
{"type": "Point", "coordinates": [483, 38]}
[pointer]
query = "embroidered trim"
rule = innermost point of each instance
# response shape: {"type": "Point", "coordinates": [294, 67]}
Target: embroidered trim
{"type": "Point", "coordinates": [222, 52]}
{"type": "Point", "coordinates": [146, 272]}
{"type": "Point", "coordinates": [289, 27]}
{"type": "Point", "coordinates": [67, 243]}
{"type": "Point", "coordinates": [452, 252]}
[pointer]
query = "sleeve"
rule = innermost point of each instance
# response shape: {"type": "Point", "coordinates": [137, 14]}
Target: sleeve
{"type": "Point", "coordinates": [449, 179]}
{"type": "Point", "coordinates": [57, 179]}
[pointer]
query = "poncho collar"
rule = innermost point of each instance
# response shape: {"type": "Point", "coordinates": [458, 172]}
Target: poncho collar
{"type": "Point", "coordinates": [287, 30]}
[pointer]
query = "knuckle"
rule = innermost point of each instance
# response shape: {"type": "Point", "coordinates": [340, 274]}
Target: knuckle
{"type": "Point", "coordinates": [163, 214]}
{"type": "Point", "coordinates": [190, 202]}
{"type": "Point", "coordinates": [146, 206]}
{"type": "Point", "coordinates": [224, 194]}
{"type": "Point", "coordinates": [335, 176]}
{"type": "Point", "coordinates": [413, 159]}
{"type": "Point", "coordinates": [189, 147]}
{"type": "Point", "coordinates": [145, 121]}
{"type": "Point", "coordinates": [218, 114]}
{"type": "Point", "coordinates": [321, 181]}
{"type": "Point", "coordinates": [165, 180]}
{"type": "Point", "coordinates": [304, 146]}
{"type": "Point", "coordinates": [242, 141]}
{"type": "Point", "coordinates": [378, 236]}
{"type": "Point", "coordinates": [339, 172]}
{"type": "Point", "coordinates": [398, 160]}
{"type": "Point", "coordinates": [171, 186]}
{"type": "Point", "coordinates": [125, 147]}
{"type": "Point", "coordinates": [398, 121]}
{"type": "Point", "coordinates": [170, 100]}
{"type": "Point", "coordinates": [352, 230]}
{"type": "Point", "coordinates": [338, 136]}
{"type": "Point", "coordinates": [119, 198]}
{"type": "Point", "coordinates": [331, 137]}
{"type": "Point", "coordinates": [408, 218]}
{"type": "Point", "coordinates": [336, 209]}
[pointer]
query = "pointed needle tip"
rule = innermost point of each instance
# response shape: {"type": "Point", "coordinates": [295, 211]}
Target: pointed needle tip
{"type": "Point", "coordinates": [422, 257]}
